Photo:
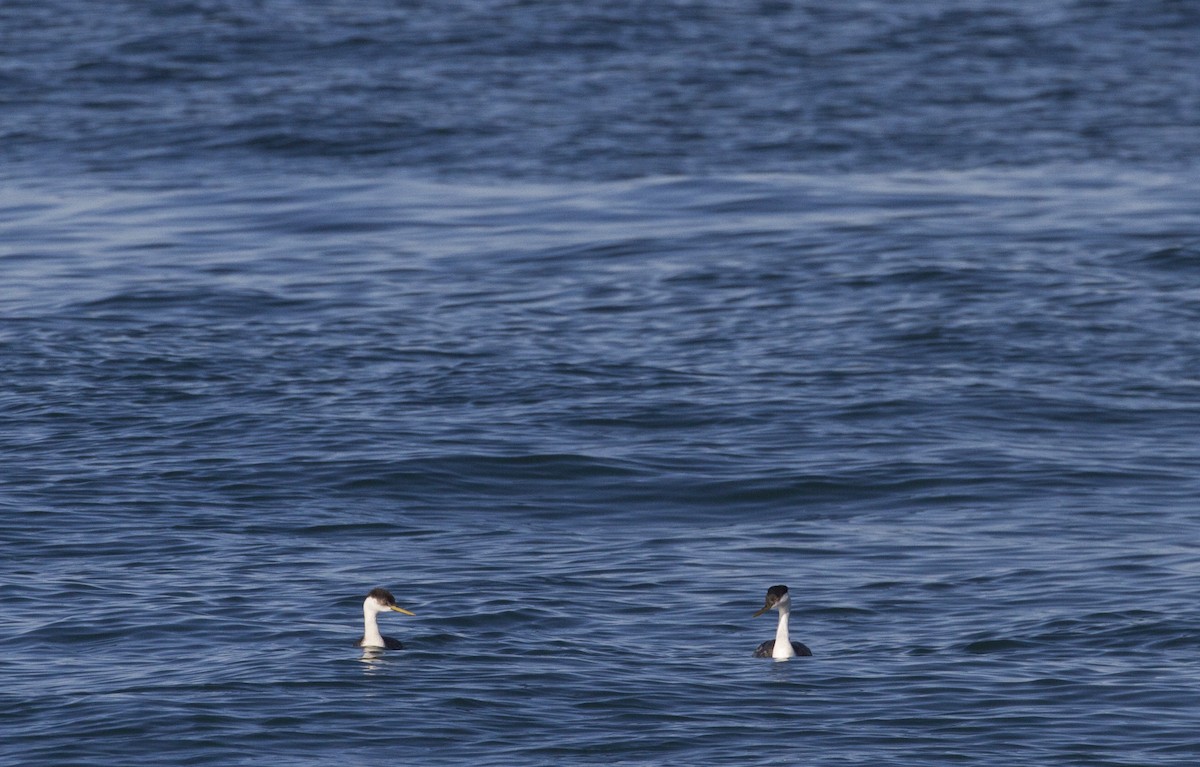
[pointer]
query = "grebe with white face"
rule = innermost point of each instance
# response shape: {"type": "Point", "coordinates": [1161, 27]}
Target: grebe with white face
{"type": "Point", "coordinates": [781, 647]}
{"type": "Point", "coordinates": [378, 601]}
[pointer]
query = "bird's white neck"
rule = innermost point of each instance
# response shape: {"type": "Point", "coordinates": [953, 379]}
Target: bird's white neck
{"type": "Point", "coordinates": [371, 635]}
{"type": "Point", "coordinates": [783, 643]}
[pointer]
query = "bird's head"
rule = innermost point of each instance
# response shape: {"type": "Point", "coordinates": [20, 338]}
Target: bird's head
{"type": "Point", "coordinates": [381, 600]}
{"type": "Point", "coordinates": [777, 599]}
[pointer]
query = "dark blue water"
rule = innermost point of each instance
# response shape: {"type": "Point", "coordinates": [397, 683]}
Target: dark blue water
{"type": "Point", "coordinates": [578, 326]}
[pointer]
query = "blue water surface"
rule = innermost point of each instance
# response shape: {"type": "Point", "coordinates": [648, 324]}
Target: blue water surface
{"type": "Point", "coordinates": [577, 327]}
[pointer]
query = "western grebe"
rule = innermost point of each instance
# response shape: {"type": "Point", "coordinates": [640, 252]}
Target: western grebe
{"type": "Point", "coordinates": [781, 647]}
{"type": "Point", "coordinates": [378, 601]}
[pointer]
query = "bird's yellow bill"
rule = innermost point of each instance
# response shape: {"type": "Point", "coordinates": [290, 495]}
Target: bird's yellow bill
{"type": "Point", "coordinates": [399, 609]}
{"type": "Point", "coordinates": [763, 610]}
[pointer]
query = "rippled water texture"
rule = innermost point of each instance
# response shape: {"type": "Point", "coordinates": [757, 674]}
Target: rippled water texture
{"type": "Point", "coordinates": [584, 90]}
{"type": "Point", "coordinates": [577, 328]}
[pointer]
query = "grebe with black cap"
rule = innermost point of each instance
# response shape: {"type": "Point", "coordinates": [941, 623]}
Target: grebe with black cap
{"type": "Point", "coordinates": [781, 647]}
{"type": "Point", "coordinates": [378, 601]}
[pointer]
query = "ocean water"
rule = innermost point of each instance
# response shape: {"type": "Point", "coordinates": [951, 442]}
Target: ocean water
{"type": "Point", "coordinates": [577, 327]}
